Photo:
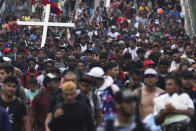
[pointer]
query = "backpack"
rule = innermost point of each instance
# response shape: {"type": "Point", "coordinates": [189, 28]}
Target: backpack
{"type": "Point", "coordinates": [110, 125]}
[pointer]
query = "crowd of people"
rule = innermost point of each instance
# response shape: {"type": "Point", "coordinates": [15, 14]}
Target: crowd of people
{"type": "Point", "coordinates": [128, 67]}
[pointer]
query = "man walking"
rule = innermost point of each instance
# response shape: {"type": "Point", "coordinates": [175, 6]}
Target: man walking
{"type": "Point", "coordinates": [146, 95]}
{"type": "Point", "coordinates": [71, 115]}
{"type": "Point", "coordinates": [126, 118]}
{"type": "Point", "coordinates": [17, 111]}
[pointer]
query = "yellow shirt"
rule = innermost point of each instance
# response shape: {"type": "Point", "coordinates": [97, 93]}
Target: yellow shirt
{"type": "Point", "coordinates": [143, 8]}
{"type": "Point", "coordinates": [25, 18]}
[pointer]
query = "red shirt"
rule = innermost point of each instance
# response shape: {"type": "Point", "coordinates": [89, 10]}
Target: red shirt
{"type": "Point", "coordinates": [22, 78]}
{"type": "Point", "coordinates": [40, 108]}
{"type": "Point", "coordinates": [120, 20]}
{"type": "Point", "coordinates": [33, 2]}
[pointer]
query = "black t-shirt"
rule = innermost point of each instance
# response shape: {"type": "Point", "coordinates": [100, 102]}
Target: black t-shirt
{"type": "Point", "coordinates": [58, 98]}
{"type": "Point", "coordinates": [77, 117]}
{"type": "Point", "coordinates": [16, 110]}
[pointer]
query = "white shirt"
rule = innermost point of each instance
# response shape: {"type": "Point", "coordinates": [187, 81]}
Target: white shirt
{"type": "Point", "coordinates": [113, 35]}
{"type": "Point", "coordinates": [180, 102]}
{"type": "Point", "coordinates": [40, 80]}
{"type": "Point", "coordinates": [83, 48]}
{"type": "Point", "coordinates": [174, 66]}
{"type": "Point", "coordinates": [133, 52]}
{"type": "Point", "coordinates": [78, 12]}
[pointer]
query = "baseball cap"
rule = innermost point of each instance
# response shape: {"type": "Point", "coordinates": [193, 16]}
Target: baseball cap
{"type": "Point", "coordinates": [7, 59]}
{"type": "Point", "coordinates": [113, 27]}
{"type": "Point", "coordinates": [125, 95]}
{"type": "Point", "coordinates": [85, 79]}
{"type": "Point", "coordinates": [96, 72]}
{"type": "Point", "coordinates": [6, 50]}
{"type": "Point", "coordinates": [50, 77]}
{"type": "Point", "coordinates": [89, 51]}
{"type": "Point", "coordinates": [156, 21]}
{"type": "Point", "coordinates": [150, 71]}
{"type": "Point", "coordinates": [121, 42]}
{"type": "Point", "coordinates": [148, 62]}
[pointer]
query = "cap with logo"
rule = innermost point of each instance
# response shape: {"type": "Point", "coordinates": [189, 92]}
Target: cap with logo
{"type": "Point", "coordinates": [148, 62]}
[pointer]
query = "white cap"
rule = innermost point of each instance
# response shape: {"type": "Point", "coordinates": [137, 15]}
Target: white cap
{"type": "Point", "coordinates": [96, 72]}
{"type": "Point", "coordinates": [121, 42]}
{"type": "Point", "coordinates": [156, 21]}
{"type": "Point", "coordinates": [113, 27]}
{"type": "Point", "coordinates": [150, 71]}
{"type": "Point", "coordinates": [7, 59]}
{"type": "Point", "coordinates": [51, 76]}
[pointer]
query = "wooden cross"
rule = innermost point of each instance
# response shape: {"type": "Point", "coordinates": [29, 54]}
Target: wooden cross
{"type": "Point", "coordinates": [45, 24]}
{"type": "Point", "coordinates": [107, 4]}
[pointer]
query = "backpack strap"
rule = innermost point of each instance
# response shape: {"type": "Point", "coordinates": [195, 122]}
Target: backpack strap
{"type": "Point", "coordinates": [39, 96]}
{"type": "Point", "coordinates": [139, 94]}
{"type": "Point", "coordinates": [110, 91]}
{"type": "Point", "coordinates": [25, 79]}
{"type": "Point", "coordinates": [95, 100]}
{"type": "Point", "coordinates": [19, 100]}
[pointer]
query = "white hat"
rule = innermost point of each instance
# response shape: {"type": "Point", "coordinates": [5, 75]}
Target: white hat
{"type": "Point", "coordinates": [121, 42]}
{"type": "Point", "coordinates": [96, 72]}
{"type": "Point", "coordinates": [156, 21]}
{"type": "Point", "coordinates": [51, 76]}
{"type": "Point", "coordinates": [7, 59]}
{"type": "Point", "coordinates": [113, 27]}
{"type": "Point", "coordinates": [150, 71]}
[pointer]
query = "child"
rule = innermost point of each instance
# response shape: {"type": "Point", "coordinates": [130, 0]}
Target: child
{"type": "Point", "coordinates": [33, 89]}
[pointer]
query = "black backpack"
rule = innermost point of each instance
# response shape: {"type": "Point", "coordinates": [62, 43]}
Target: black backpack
{"type": "Point", "coordinates": [139, 125]}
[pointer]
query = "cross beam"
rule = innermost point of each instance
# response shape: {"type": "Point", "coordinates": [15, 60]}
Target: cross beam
{"type": "Point", "coordinates": [45, 24]}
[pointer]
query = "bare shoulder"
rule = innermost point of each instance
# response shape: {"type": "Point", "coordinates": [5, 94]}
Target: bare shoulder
{"type": "Point", "coordinates": [135, 92]}
{"type": "Point", "coordinates": [159, 90]}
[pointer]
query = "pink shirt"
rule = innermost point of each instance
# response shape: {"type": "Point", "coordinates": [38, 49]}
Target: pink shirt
{"type": "Point", "coordinates": [116, 3]}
